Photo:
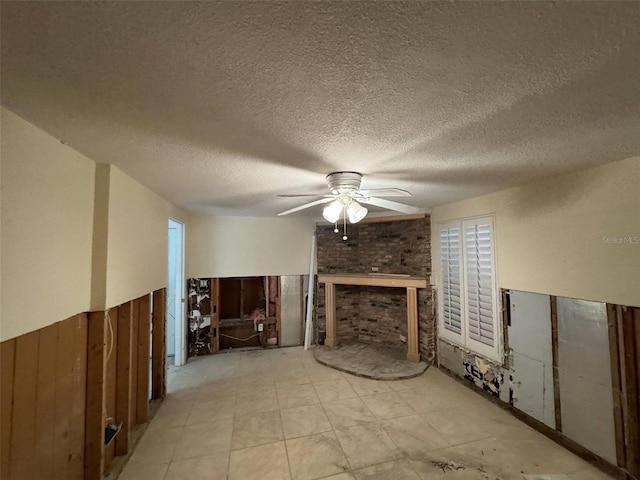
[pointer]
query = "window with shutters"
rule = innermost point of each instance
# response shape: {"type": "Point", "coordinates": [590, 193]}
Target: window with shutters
{"type": "Point", "coordinates": [468, 300]}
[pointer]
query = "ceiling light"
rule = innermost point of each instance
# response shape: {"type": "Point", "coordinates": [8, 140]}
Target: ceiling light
{"type": "Point", "coordinates": [331, 212]}
{"type": "Point", "coordinates": [356, 212]}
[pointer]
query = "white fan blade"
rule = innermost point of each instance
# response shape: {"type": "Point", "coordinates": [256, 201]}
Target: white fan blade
{"type": "Point", "coordinates": [389, 205]}
{"type": "Point", "coordinates": [385, 192]}
{"type": "Point", "coordinates": [307, 205]}
{"type": "Point", "coordinates": [292, 195]}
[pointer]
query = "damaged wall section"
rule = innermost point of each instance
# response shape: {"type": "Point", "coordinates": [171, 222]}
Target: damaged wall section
{"type": "Point", "coordinates": [569, 389]}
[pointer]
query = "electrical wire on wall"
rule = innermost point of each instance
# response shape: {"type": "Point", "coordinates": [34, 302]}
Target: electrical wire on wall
{"type": "Point", "coordinates": [107, 317]}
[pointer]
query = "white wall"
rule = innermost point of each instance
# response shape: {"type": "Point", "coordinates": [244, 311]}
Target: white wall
{"type": "Point", "coordinates": [47, 227]}
{"type": "Point", "coordinates": [248, 246]}
{"type": "Point", "coordinates": [551, 235]}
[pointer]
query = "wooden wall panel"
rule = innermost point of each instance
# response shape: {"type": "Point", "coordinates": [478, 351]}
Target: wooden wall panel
{"type": "Point", "coordinates": [616, 382]}
{"type": "Point", "coordinates": [144, 351]}
{"type": "Point", "coordinates": [22, 464]}
{"type": "Point", "coordinates": [64, 387]}
{"type": "Point", "coordinates": [135, 326]}
{"type": "Point", "coordinates": [123, 377]}
{"type": "Point", "coordinates": [78, 395]}
{"type": "Point", "coordinates": [110, 405]}
{"type": "Point", "coordinates": [47, 446]}
{"type": "Point", "coordinates": [159, 346]}
{"type": "Point", "coordinates": [7, 363]}
{"type": "Point", "coordinates": [96, 395]}
{"type": "Point", "coordinates": [630, 392]}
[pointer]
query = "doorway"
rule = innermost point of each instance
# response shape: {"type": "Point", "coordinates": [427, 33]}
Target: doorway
{"type": "Point", "coordinates": [176, 328]}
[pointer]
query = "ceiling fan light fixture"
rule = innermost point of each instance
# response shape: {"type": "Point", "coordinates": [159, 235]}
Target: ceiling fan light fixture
{"type": "Point", "coordinates": [331, 212]}
{"type": "Point", "coordinates": [356, 212]}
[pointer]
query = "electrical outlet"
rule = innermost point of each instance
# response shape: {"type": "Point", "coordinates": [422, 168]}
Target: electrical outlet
{"type": "Point", "coordinates": [374, 269]}
{"type": "Point", "coordinates": [260, 327]}
{"type": "Point", "coordinates": [403, 339]}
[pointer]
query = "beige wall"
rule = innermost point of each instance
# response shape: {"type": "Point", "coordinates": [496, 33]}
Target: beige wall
{"type": "Point", "coordinates": [47, 225]}
{"type": "Point", "coordinates": [248, 246]}
{"type": "Point", "coordinates": [60, 256]}
{"type": "Point", "coordinates": [550, 235]}
{"type": "Point", "coordinates": [136, 260]}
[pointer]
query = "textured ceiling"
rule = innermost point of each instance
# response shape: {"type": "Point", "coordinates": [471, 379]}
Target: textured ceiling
{"type": "Point", "coordinates": [221, 106]}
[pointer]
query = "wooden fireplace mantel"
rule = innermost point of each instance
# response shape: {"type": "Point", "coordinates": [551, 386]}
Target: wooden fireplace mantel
{"type": "Point", "coordinates": [394, 281]}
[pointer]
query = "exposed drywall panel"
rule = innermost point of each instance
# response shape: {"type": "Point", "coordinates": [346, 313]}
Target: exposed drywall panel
{"type": "Point", "coordinates": [530, 340]}
{"type": "Point", "coordinates": [450, 357]}
{"type": "Point", "coordinates": [290, 310]}
{"type": "Point", "coordinates": [532, 384]}
{"type": "Point", "coordinates": [585, 375]}
{"type": "Point", "coordinates": [137, 240]}
{"type": "Point", "coordinates": [247, 246]}
{"type": "Point", "coordinates": [47, 228]}
{"type": "Point", "coordinates": [575, 235]}
{"type": "Point", "coordinates": [530, 329]}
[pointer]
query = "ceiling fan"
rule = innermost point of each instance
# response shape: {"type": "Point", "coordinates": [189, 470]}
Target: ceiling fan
{"type": "Point", "coordinates": [346, 198]}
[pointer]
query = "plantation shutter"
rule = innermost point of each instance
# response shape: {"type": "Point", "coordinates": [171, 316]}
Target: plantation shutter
{"type": "Point", "coordinates": [479, 284]}
{"type": "Point", "coordinates": [450, 256]}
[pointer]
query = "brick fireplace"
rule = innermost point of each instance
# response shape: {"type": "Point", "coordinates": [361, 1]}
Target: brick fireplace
{"type": "Point", "coordinates": [369, 313]}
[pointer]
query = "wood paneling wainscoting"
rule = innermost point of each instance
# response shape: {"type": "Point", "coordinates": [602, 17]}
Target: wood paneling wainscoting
{"type": "Point", "coordinates": [43, 385]}
{"type": "Point", "coordinates": [60, 385]}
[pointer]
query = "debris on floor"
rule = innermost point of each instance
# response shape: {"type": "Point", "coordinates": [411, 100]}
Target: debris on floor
{"type": "Point", "coordinates": [547, 476]}
{"type": "Point", "coordinates": [447, 466]}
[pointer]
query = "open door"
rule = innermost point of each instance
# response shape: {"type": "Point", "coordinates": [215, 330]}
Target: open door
{"type": "Point", "coordinates": [176, 327]}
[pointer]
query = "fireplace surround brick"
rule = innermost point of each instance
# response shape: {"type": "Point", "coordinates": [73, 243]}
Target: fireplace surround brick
{"type": "Point", "coordinates": [370, 313]}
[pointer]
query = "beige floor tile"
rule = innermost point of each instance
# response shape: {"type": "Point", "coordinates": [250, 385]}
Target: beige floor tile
{"type": "Point", "coordinates": [413, 435]}
{"type": "Point", "coordinates": [165, 419]}
{"type": "Point", "coordinates": [205, 439]}
{"type": "Point", "coordinates": [155, 472]}
{"type": "Point", "coordinates": [155, 448]}
{"type": "Point", "coordinates": [157, 436]}
{"type": "Point", "coordinates": [290, 396]}
{"type": "Point", "coordinates": [319, 373]}
{"type": "Point", "coordinates": [409, 383]}
{"type": "Point", "coordinates": [427, 399]}
{"type": "Point", "coordinates": [211, 410]}
{"type": "Point", "coordinates": [265, 462]}
{"type": "Point", "coordinates": [306, 420]}
{"type": "Point", "coordinates": [366, 445]}
{"type": "Point", "coordinates": [293, 378]}
{"type": "Point", "coordinates": [216, 389]}
{"type": "Point", "coordinates": [387, 405]}
{"type": "Point", "coordinates": [397, 470]}
{"type": "Point", "coordinates": [256, 429]}
{"type": "Point", "coordinates": [268, 381]}
{"type": "Point", "coordinates": [348, 412]}
{"type": "Point", "coordinates": [315, 456]}
{"type": "Point", "coordinates": [456, 427]}
{"type": "Point", "coordinates": [256, 401]}
{"type": "Point", "coordinates": [340, 476]}
{"type": "Point", "coordinates": [365, 386]}
{"type": "Point", "coordinates": [249, 383]}
{"type": "Point", "coordinates": [211, 467]}
{"type": "Point", "coordinates": [588, 473]}
{"type": "Point", "coordinates": [511, 460]}
{"type": "Point", "coordinates": [333, 390]}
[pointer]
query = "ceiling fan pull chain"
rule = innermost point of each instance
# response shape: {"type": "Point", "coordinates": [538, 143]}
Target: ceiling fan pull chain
{"type": "Point", "coordinates": [344, 220]}
{"type": "Point", "coordinates": [335, 227]}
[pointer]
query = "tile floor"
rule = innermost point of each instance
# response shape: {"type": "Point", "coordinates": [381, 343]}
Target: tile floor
{"type": "Point", "coordinates": [277, 414]}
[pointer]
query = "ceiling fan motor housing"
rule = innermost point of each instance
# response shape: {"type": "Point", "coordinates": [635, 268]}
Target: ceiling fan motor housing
{"type": "Point", "coordinates": [344, 182]}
